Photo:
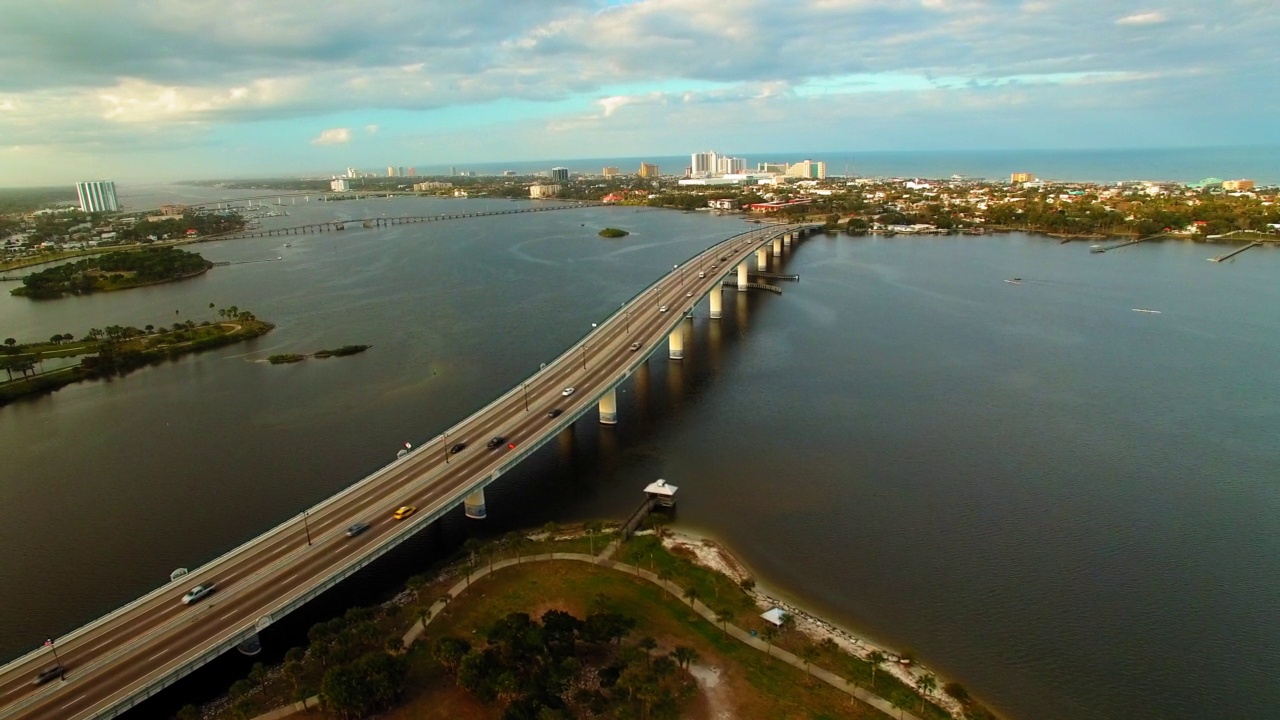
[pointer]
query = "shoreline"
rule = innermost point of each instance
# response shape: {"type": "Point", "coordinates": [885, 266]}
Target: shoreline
{"type": "Point", "coordinates": [715, 555]}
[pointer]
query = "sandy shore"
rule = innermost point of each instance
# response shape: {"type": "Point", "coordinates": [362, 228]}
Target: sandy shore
{"type": "Point", "coordinates": [710, 554]}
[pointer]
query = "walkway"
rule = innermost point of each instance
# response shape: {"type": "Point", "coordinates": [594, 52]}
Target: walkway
{"type": "Point", "coordinates": [674, 590]}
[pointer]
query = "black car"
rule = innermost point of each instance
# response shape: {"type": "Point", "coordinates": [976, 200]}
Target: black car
{"type": "Point", "coordinates": [496, 441]}
{"type": "Point", "coordinates": [555, 413]}
{"type": "Point", "coordinates": [48, 674]}
{"type": "Point", "coordinates": [457, 448]}
{"type": "Point", "coordinates": [356, 529]}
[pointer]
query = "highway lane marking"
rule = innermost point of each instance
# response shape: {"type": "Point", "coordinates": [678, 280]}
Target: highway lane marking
{"type": "Point", "coordinates": [73, 702]}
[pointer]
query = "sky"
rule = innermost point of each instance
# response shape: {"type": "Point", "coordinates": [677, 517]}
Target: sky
{"type": "Point", "coordinates": [159, 90]}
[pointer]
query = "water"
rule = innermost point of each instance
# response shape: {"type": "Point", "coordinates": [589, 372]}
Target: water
{"type": "Point", "coordinates": [1066, 505]}
{"type": "Point", "coordinates": [1261, 164]}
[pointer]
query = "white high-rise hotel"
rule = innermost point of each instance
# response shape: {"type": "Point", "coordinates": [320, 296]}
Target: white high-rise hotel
{"type": "Point", "coordinates": [97, 196]}
{"type": "Point", "coordinates": [705, 164]}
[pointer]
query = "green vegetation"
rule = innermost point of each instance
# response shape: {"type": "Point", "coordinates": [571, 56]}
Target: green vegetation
{"type": "Point", "coordinates": [342, 351]}
{"type": "Point", "coordinates": [113, 271]}
{"type": "Point", "coordinates": [611, 232]}
{"type": "Point", "coordinates": [286, 358]}
{"type": "Point", "coordinates": [115, 351]}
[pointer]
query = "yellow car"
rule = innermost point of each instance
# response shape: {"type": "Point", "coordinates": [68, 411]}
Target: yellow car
{"type": "Point", "coordinates": [404, 512]}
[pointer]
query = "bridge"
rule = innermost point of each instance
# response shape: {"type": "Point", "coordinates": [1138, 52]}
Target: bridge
{"type": "Point", "coordinates": [117, 661]}
{"type": "Point", "coordinates": [378, 222]}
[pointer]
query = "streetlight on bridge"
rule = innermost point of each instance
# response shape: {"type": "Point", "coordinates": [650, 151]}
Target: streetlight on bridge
{"type": "Point", "coordinates": [306, 526]}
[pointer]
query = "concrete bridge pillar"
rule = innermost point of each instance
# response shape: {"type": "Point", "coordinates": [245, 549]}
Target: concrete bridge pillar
{"type": "Point", "coordinates": [676, 342]}
{"type": "Point", "coordinates": [777, 247]}
{"type": "Point", "coordinates": [609, 407]}
{"type": "Point", "coordinates": [742, 276]}
{"type": "Point", "coordinates": [717, 301]}
{"type": "Point", "coordinates": [786, 240]}
{"type": "Point", "coordinates": [762, 259]}
{"type": "Point", "coordinates": [473, 506]}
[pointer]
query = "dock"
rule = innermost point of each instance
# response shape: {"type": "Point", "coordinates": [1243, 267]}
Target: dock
{"type": "Point", "coordinates": [1237, 251]}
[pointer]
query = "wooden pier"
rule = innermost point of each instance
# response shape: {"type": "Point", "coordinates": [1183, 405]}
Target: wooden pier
{"type": "Point", "coordinates": [1237, 251]}
{"type": "Point", "coordinates": [753, 286]}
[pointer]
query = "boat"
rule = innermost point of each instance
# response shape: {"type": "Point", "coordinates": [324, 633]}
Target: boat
{"type": "Point", "coordinates": [1015, 281]}
{"type": "Point", "coordinates": [1097, 249]}
{"type": "Point", "coordinates": [288, 244]}
{"type": "Point", "coordinates": [1145, 310]}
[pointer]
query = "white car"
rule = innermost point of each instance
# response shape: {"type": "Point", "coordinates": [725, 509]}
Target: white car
{"type": "Point", "coordinates": [567, 392]}
{"type": "Point", "coordinates": [689, 294]}
{"type": "Point", "coordinates": [662, 309]}
{"type": "Point", "coordinates": [196, 593]}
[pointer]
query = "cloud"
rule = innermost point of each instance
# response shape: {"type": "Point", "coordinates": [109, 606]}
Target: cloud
{"type": "Point", "coordinates": [333, 136]}
{"type": "Point", "coordinates": [1146, 18]}
{"type": "Point", "coordinates": [371, 129]}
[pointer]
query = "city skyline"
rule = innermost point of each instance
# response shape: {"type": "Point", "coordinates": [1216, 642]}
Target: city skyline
{"type": "Point", "coordinates": [162, 91]}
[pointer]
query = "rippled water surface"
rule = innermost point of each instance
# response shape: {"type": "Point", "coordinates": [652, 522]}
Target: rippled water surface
{"type": "Point", "coordinates": [1069, 506]}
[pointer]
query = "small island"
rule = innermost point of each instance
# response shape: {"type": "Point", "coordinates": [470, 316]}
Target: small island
{"type": "Point", "coordinates": [287, 358]}
{"type": "Point", "coordinates": [113, 271]}
{"type": "Point", "coordinates": [612, 232]}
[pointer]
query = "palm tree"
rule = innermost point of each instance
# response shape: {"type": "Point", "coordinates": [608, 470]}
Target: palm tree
{"type": "Point", "coordinates": [592, 529]}
{"type": "Point", "coordinates": [691, 594]}
{"type": "Point", "coordinates": [723, 616]}
{"type": "Point", "coordinates": [876, 658]}
{"type": "Point", "coordinates": [470, 547]}
{"type": "Point", "coordinates": [926, 684]}
{"type": "Point", "coordinates": [684, 655]}
{"type": "Point", "coordinates": [647, 644]}
{"type": "Point", "coordinates": [808, 653]}
{"type": "Point", "coordinates": [770, 633]}
{"type": "Point", "coordinates": [664, 574]}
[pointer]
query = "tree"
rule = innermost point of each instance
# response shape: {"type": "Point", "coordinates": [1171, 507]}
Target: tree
{"type": "Point", "coordinates": [747, 584]}
{"type": "Point", "coordinates": [517, 541]}
{"type": "Point", "coordinates": [788, 622]}
{"type": "Point", "coordinates": [647, 644]}
{"type": "Point", "coordinates": [770, 633]}
{"type": "Point", "coordinates": [723, 616]}
{"type": "Point", "coordinates": [470, 547]}
{"type": "Point", "coordinates": [691, 594]}
{"type": "Point", "coordinates": [926, 684]}
{"type": "Point", "coordinates": [149, 329]}
{"type": "Point", "coordinates": [664, 574]}
{"type": "Point", "coordinates": [808, 652]}
{"type": "Point", "coordinates": [10, 342]}
{"type": "Point", "coordinates": [684, 655]}
{"type": "Point", "coordinates": [876, 658]}
{"type": "Point", "coordinates": [449, 651]}
{"type": "Point", "coordinates": [592, 529]}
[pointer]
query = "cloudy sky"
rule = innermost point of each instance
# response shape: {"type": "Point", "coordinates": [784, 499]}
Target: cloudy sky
{"type": "Point", "coordinates": [167, 89]}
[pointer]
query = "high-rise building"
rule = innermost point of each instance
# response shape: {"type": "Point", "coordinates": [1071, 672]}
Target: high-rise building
{"type": "Point", "coordinates": [808, 169]}
{"type": "Point", "coordinates": [543, 191]}
{"type": "Point", "coordinates": [400, 171]}
{"type": "Point", "coordinates": [779, 168]}
{"type": "Point", "coordinates": [413, 172]}
{"type": "Point", "coordinates": [648, 170]}
{"type": "Point", "coordinates": [610, 172]}
{"type": "Point", "coordinates": [703, 164]}
{"type": "Point", "coordinates": [726, 165]}
{"type": "Point", "coordinates": [351, 172]}
{"type": "Point", "coordinates": [391, 171]}
{"type": "Point", "coordinates": [559, 174]}
{"type": "Point", "coordinates": [339, 185]}
{"type": "Point", "coordinates": [1021, 177]}
{"type": "Point", "coordinates": [98, 196]}
{"type": "Point", "coordinates": [1238, 185]}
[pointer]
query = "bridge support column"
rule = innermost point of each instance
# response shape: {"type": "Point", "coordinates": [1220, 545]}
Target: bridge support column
{"type": "Point", "coordinates": [717, 301]}
{"type": "Point", "coordinates": [251, 646]}
{"type": "Point", "coordinates": [676, 342]}
{"type": "Point", "coordinates": [777, 247]}
{"type": "Point", "coordinates": [473, 506]}
{"type": "Point", "coordinates": [762, 259]}
{"type": "Point", "coordinates": [609, 407]}
{"type": "Point", "coordinates": [742, 276]}
{"type": "Point", "coordinates": [786, 240]}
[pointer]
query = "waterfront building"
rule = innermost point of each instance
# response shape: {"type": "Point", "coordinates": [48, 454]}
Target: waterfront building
{"type": "Point", "coordinates": [648, 170]}
{"type": "Point", "coordinates": [559, 174]}
{"type": "Point", "coordinates": [543, 191]}
{"type": "Point", "coordinates": [97, 196]}
{"type": "Point", "coordinates": [339, 185]}
{"type": "Point", "coordinates": [391, 171]}
{"type": "Point", "coordinates": [1237, 185]}
{"type": "Point", "coordinates": [426, 186]}
{"type": "Point", "coordinates": [610, 172]}
{"type": "Point", "coordinates": [508, 173]}
{"type": "Point", "coordinates": [702, 164]}
{"type": "Point", "coordinates": [400, 171]}
{"type": "Point", "coordinates": [352, 172]}
{"type": "Point", "coordinates": [808, 169]}
{"type": "Point", "coordinates": [1022, 177]}
{"type": "Point", "coordinates": [776, 168]}
{"type": "Point", "coordinates": [413, 172]}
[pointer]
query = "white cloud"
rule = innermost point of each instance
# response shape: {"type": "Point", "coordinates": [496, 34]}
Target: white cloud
{"type": "Point", "coordinates": [1146, 18]}
{"type": "Point", "coordinates": [333, 136]}
{"type": "Point", "coordinates": [371, 129]}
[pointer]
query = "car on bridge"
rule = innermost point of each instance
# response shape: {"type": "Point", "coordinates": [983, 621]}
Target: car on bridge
{"type": "Point", "coordinates": [689, 294]}
{"type": "Point", "coordinates": [495, 441]}
{"type": "Point", "coordinates": [48, 674]}
{"type": "Point", "coordinates": [567, 391]}
{"type": "Point", "coordinates": [356, 529]}
{"type": "Point", "coordinates": [403, 512]}
{"type": "Point", "coordinates": [662, 309]}
{"type": "Point", "coordinates": [701, 274]}
{"type": "Point", "coordinates": [196, 593]}
{"type": "Point", "coordinates": [635, 347]}
{"type": "Point", "coordinates": [555, 412]}
{"type": "Point", "coordinates": [457, 448]}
